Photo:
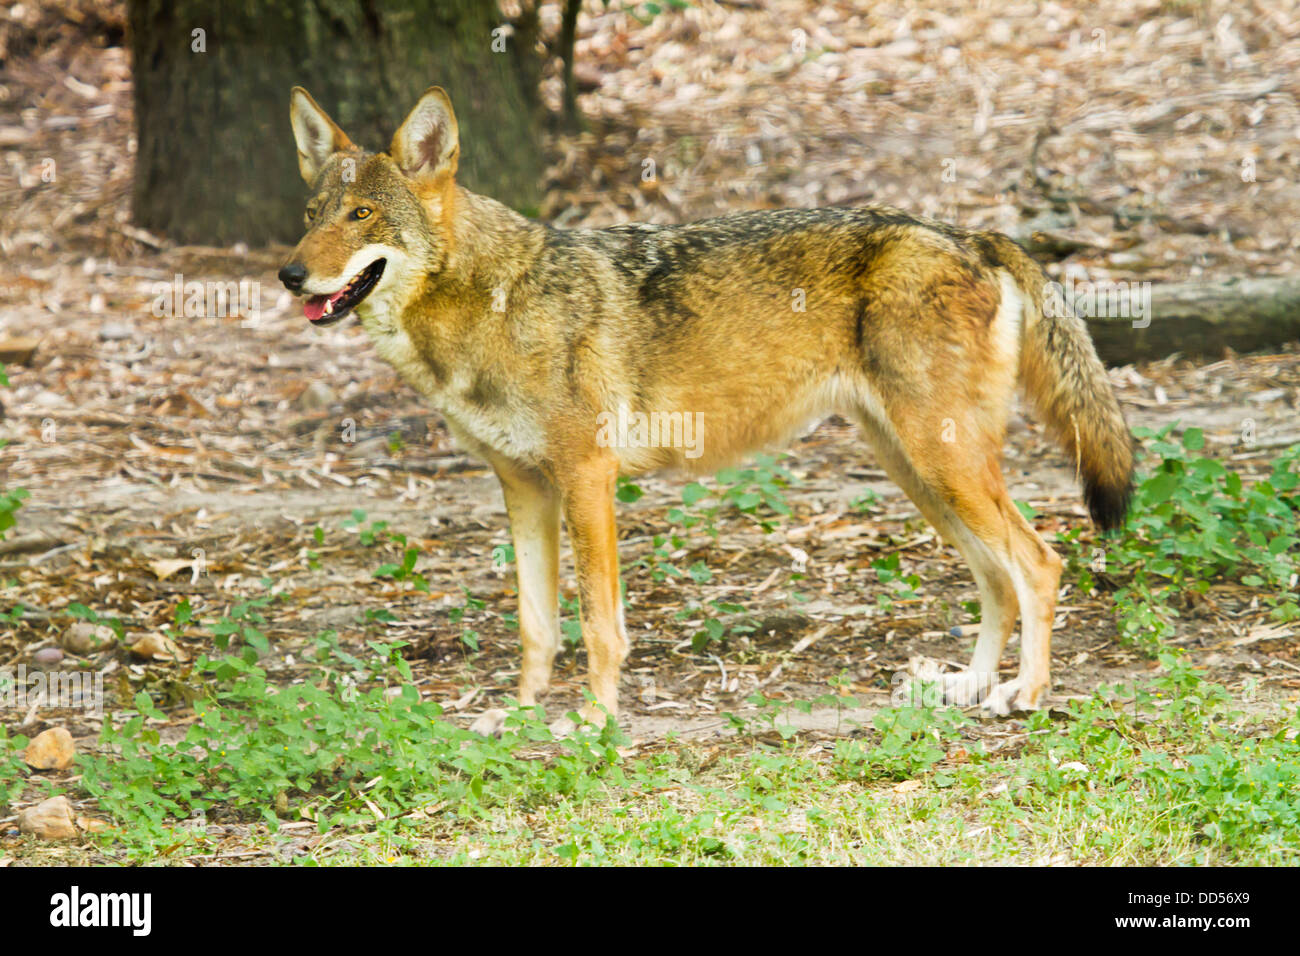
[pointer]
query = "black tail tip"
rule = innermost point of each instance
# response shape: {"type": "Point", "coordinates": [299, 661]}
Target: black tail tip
{"type": "Point", "coordinates": [1108, 502]}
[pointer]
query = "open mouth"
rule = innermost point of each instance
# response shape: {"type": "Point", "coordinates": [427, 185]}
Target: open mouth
{"type": "Point", "coordinates": [328, 309]}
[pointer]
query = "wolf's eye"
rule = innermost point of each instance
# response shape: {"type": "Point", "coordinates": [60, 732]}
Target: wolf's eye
{"type": "Point", "coordinates": [361, 212]}
{"type": "Point", "coordinates": [311, 214]}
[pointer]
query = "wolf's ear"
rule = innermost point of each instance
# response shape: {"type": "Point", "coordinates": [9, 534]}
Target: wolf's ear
{"type": "Point", "coordinates": [428, 142]}
{"type": "Point", "coordinates": [318, 137]}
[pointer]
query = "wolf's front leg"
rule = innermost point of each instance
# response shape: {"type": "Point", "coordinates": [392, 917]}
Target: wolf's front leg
{"type": "Point", "coordinates": [533, 506]}
{"type": "Point", "coordinates": [534, 509]}
{"type": "Point", "coordinates": [588, 497]}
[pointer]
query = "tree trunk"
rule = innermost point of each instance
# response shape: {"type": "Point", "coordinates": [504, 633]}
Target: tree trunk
{"type": "Point", "coordinates": [1204, 319]}
{"type": "Point", "coordinates": [568, 36]}
{"type": "Point", "coordinates": [216, 163]}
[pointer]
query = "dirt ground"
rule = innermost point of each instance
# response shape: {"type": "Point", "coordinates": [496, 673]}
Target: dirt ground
{"type": "Point", "coordinates": [149, 443]}
{"type": "Point", "coordinates": [229, 463]}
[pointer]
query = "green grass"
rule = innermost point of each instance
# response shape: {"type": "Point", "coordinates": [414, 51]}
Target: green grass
{"type": "Point", "coordinates": [1171, 771]}
{"type": "Point", "coordinates": [1167, 772]}
{"type": "Point", "coordinates": [11, 499]}
{"type": "Point", "coordinates": [1168, 776]}
{"type": "Point", "coordinates": [1195, 526]}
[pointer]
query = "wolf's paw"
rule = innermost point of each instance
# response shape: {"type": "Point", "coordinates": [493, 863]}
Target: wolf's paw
{"type": "Point", "coordinates": [926, 684]}
{"type": "Point", "coordinates": [920, 684]}
{"type": "Point", "coordinates": [1013, 696]}
{"type": "Point", "coordinates": [563, 727]}
{"type": "Point", "coordinates": [590, 716]}
{"type": "Point", "coordinates": [924, 669]}
{"type": "Point", "coordinates": [967, 687]}
{"type": "Point", "coordinates": [490, 723]}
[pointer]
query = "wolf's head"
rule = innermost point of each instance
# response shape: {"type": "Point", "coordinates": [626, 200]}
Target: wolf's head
{"type": "Point", "coordinates": [376, 222]}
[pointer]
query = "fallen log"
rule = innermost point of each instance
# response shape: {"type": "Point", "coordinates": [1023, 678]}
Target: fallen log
{"type": "Point", "coordinates": [1203, 318]}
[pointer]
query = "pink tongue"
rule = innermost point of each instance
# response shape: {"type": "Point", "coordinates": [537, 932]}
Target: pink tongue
{"type": "Point", "coordinates": [314, 307]}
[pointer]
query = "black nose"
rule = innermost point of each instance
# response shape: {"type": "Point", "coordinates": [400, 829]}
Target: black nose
{"type": "Point", "coordinates": [293, 276]}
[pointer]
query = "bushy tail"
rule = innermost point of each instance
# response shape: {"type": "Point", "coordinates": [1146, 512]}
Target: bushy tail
{"type": "Point", "coordinates": [1067, 383]}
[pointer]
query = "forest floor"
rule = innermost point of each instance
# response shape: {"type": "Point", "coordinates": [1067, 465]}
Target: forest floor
{"type": "Point", "coordinates": [209, 462]}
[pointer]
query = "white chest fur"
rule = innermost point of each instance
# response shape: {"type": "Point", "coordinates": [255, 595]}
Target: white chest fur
{"type": "Point", "coordinates": [506, 429]}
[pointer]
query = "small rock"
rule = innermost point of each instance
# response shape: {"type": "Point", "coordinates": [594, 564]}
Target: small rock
{"type": "Point", "coordinates": [317, 397]}
{"type": "Point", "coordinates": [114, 332]}
{"type": "Point", "coordinates": [51, 820]}
{"type": "Point", "coordinates": [157, 647]}
{"type": "Point", "coordinates": [86, 638]}
{"type": "Point", "coordinates": [52, 749]}
{"type": "Point", "coordinates": [47, 656]}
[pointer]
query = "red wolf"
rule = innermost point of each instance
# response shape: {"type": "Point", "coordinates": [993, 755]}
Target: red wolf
{"type": "Point", "coordinates": [527, 338]}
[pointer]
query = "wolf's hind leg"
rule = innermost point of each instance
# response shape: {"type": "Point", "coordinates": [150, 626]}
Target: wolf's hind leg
{"type": "Point", "coordinates": [945, 456]}
{"type": "Point", "coordinates": [1003, 549]}
{"type": "Point", "coordinates": [1036, 572]}
{"type": "Point", "coordinates": [998, 604]}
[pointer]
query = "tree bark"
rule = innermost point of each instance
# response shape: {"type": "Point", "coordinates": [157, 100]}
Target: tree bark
{"type": "Point", "coordinates": [568, 36]}
{"type": "Point", "coordinates": [216, 163]}
{"type": "Point", "coordinates": [1204, 319]}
